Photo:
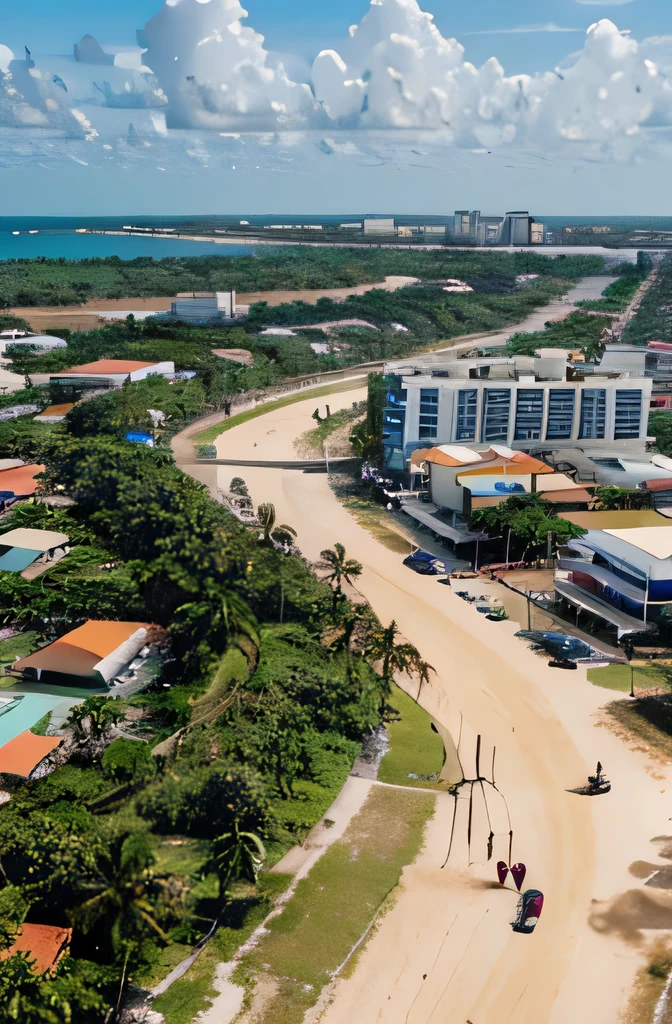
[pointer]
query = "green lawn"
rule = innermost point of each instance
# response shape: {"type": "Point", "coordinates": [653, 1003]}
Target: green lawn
{"type": "Point", "coordinates": [212, 433]}
{"type": "Point", "coordinates": [19, 646]}
{"type": "Point", "coordinates": [414, 746]}
{"type": "Point", "coordinates": [333, 907]}
{"type": "Point", "coordinates": [194, 992]}
{"type": "Point", "coordinates": [617, 677]}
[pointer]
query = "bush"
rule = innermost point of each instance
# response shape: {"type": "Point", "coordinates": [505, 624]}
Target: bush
{"type": "Point", "coordinates": [128, 761]}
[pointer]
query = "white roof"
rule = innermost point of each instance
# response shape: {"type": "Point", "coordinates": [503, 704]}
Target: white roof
{"type": "Point", "coordinates": [460, 453]}
{"type": "Point", "coordinates": [33, 540]}
{"type": "Point", "coordinates": [654, 540]}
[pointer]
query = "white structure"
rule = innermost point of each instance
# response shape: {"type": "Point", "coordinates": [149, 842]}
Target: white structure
{"type": "Point", "coordinates": [533, 404]}
{"type": "Point", "coordinates": [379, 225]}
{"type": "Point", "coordinates": [111, 372]}
{"type": "Point", "coordinates": [42, 342]}
{"type": "Point", "coordinates": [200, 307]}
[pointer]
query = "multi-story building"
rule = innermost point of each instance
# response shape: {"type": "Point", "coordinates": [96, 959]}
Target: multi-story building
{"type": "Point", "coordinates": [201, 307]}
{"type": "Point", "coordinates": [531, 404]}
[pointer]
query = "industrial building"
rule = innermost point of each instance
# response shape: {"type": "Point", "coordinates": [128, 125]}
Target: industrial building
{"type": "Point", "coordinates": [204, 307]}
{"type": "Point", "coordinates": [534, 404]}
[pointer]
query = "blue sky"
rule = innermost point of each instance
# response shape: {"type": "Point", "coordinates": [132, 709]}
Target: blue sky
{"type": "Point", "coordinates": [485, 27]}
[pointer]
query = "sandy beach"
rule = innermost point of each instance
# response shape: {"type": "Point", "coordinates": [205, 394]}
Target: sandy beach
{"type": "Point", "coordinates": [452, 924]}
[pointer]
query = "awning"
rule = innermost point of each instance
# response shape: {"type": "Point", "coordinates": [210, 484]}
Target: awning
{"type": "Point", "coordinates": [438, 525]}
{"type": "Point", "coordinates": [580, 599]}
{"type": "Point", "coordinates": [22, 755]}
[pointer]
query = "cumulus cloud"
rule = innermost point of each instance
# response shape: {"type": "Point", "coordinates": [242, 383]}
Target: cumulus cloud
{"type": "Point", "coordinates": [31, 99]}
{"type": "Point", "coordinates": [216, 71]}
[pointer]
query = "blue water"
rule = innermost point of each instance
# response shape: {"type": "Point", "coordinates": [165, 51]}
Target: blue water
{"type": "Point", "coordinates": [25, 715]}
{"type": "Point", "coordinates": [85, 247]}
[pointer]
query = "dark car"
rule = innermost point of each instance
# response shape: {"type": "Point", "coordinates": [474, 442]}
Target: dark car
{"type": "Point", "coordinates": [425, 564]}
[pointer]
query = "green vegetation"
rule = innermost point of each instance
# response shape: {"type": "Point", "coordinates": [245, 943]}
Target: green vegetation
{"type": "Point", "coordinates": [617, 677]}
{"type": "Point", "coordinates": [333, 907]}
{"type": "Point", "coordinates": [45, 282]}
{"type": "Point", "coordinates": [653, 321]}
{"type": "Point", "coordinates": [415, 748]}
{"type": "Point", "coordinates": [660, 427]}
{"type": "Point", "coordinates": [314, 440]}
{"type": "Point", "coordinates": [530, 520]}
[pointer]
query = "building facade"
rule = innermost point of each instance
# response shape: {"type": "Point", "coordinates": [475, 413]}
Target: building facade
{"type": "Point", "coordinates": [481, 402]}
{"type": "Point", "coordinates": [201, 307]}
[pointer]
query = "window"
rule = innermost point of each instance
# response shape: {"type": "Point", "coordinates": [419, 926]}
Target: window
{"type": "Point", "coordinates": [529, 414]}
{"type": "Point", "coordinates": [560, 414]}
{"type": "Point", "coordinates": [628, 413]}
{"type": "Point", "coordinates": [467, 403]}
{"type": "Point", "coordinates": [393, 426]}
{"type": "Point", "coordinates": [496, 412]}
{"type": "Point", "coordinates": [429, 413]}
{"type": "Point", "coordinates": [593, 407]}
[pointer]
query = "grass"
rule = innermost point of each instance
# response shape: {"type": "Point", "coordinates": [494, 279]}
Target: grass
{"type": "Point", "coordinates": [369, 514]}
{"type": "Point", "coordinates": [313, 441]}
{"type": "Point", "coordinates": [626, 721]}
{"type": "Point", "coordinates": [19, 646]}
{"type": "Point", "coordinates": [649, 984]}
{"type": "Point", "coordinates": [40, 728]}
{"type": "Point", "coordinates": [414, 746]}
{"type": "Point", "coordinates": [212, 433]}
{"type": "Point", "coordinates": [335, 904]}
{"type": "Point", "coordinates": [617, 677]}
{"type": "Point", "coordinates": [194, 992]}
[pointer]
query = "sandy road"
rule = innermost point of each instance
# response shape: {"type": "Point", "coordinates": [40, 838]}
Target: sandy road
{"type": "Point", "coordinates": [452, 925]}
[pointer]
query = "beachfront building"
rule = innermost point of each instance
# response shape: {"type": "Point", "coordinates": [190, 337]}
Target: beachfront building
{"type": "Point", "coordinates": [541, 404]}
{"type": "Point", "coordinates": [619, 572]}
{"type": "Point", "coordinates": [462, 480]}
{"type": "Point", "coordinates": [204, 307]}
{"type": "Point", "coordinates": [94, 654]}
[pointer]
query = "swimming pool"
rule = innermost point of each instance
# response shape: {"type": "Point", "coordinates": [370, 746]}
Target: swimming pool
{"type": "Point", "coordinates": [22, 715]}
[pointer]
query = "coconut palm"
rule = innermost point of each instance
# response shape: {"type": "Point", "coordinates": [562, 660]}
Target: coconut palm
{"type": "Point", "coordinates": [237, 854]}
{"type": "Point", "coordinates": [338, 568]}
{"type": "Point", "coordinates": [384, 647]}
{"type": "Point", "coordinates": [279, 534]}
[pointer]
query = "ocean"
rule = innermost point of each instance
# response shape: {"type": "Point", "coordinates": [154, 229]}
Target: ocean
{"type": "Point", "coordinates": [56, 236]}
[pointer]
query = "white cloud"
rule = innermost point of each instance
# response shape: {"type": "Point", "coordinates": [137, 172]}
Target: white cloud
{"type": "Point", "coordinates": [550, 26]}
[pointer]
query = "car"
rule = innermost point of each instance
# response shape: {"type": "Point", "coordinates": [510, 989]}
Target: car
{"type": "Point", "coordinates": [425, 564]}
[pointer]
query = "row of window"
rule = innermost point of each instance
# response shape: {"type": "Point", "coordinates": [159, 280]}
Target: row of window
{"type": "Point", "coordinates": [530, 414]}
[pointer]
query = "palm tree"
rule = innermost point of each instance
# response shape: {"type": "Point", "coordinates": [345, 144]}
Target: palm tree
{"type": "Point", "coordinates": [395, 657]}
{"type": "Point", "coordinates": [237, 855]}
{"type": "Point", "coordinates": [423, 671]}
{"type": "Point", "coordinates": [121, 908]}
{"type": "Point", "coordinates": [339, 568]}
{"type": "Point", "coordinates": [272, 533]}
{"type": "Point", "coordinates": [100, 712]}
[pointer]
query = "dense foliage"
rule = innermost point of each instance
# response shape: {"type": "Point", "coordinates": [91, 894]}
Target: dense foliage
{"type": "Point", "coordinates": [653, 321]}
{"type": "Point", "coordinates": [58, 282]}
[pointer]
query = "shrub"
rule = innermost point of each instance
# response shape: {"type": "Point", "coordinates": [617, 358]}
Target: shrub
{"type": "Point", "coordinates": [128, 761]}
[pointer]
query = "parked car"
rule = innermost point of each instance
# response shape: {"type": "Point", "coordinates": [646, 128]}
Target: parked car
{"type": "Point", "coordinates": [425, 564]}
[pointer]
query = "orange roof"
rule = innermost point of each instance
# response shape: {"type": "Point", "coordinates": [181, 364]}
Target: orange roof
{"type": "Point", "coordinates": [23, 754]}
{"type": "Point", "coordinates": [55, 410]}
{"type": "Point", "coordinates": [69, 653]}
{"type": "Point", "coordinates": [20, 480]}
{"type": "Point", "coordinates": [107, 366]}
{"type": "Point", "coordinates": [44, 944]}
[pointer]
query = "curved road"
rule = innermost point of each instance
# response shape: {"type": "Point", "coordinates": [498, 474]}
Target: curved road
{"type": "Point", "coordinates": [452, 924]}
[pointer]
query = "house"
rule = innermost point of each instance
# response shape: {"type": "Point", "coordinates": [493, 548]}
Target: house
{"type": "Point", "coordinates": [463, 479]}
{"type": "Point", "coordinates": [618, 572]}
{"type": "Point", "coordinates": [203, 307]}
{"type": "Point", "coordinates": [70, 385]}
{"type": "Point", "coordinates": [22, 754]}
{"type": "Point", "coordinates": [96, 652]}
{"type": "Point", "coordinates": [44, 944]}
{"type": "Point", "coordinates": [23, 547]}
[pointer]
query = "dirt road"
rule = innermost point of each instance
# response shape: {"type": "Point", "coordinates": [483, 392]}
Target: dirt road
{"type": "Point", "coordinates": [452, 924]}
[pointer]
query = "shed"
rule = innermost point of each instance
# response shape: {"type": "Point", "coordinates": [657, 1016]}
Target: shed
{"type": "Point", "coordinates": [44, 944]}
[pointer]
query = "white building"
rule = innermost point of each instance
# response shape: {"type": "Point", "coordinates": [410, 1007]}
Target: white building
{"type": "Point", "coordinates": [379, 226]}
{"type": "Point", "coordinates": [531, 404]}
{"type": "Point", "coordinates": [201, 307]}
{"type": "Point", "coordinates": [42, 342]}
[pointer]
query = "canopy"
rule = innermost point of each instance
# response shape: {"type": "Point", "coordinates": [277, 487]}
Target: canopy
{"type": "Point", "coordinates": [97, 648]}
{"type": "Point", "coordinates": [33, 540]}
{"type": "Point", "coordinates": [22, 755]}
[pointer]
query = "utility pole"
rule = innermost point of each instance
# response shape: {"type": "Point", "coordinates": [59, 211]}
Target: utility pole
{"type": "Point", "coordinates": [326, 456]}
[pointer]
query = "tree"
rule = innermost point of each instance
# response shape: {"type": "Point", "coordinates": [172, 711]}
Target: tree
{"type": "Point", "coordinates": [394, 657]}
{"type": "Point", "coordinates": [239, 487]}
{"type": "Point", "coordinates": [620, 498]}
{"type": "Point", "coordinates": [13, 910]}
{"type": "Point", "coordinates": [272, 533]}
{"type": "Point", "coordinates": [339, 567]}
{"type": "Point", "coordinates": [98, 714]}
{"type": "Point", "coordinates": [69, 996]}
{"type": "Point", "coordinates": [121, 909]}
{"type": "Point", "coordinates": [237, 854]}
{"type": "Point", "coordinates": [128, 761]}
{"type": "Point", "coordinates": [528, 516]}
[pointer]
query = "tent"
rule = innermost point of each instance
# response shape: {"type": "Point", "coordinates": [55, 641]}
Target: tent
{"type": "Point", "coordinates": [20, 548]}
{"type": "Point", "coordinates": [44, 945]}
{"type": "Point", "coordinates": [22, 755]}
{"type": "Point", "coordinates": [96, 651]}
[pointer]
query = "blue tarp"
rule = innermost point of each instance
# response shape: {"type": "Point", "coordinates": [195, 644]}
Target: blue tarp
{"type": "Point", "coordinates": [139, 437]}
{"type": "Point", "coordinates": [17, 559]}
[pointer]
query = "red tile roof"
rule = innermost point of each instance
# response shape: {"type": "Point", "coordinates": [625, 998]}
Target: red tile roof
{"type": "Point", "coordinates": [43, 943]}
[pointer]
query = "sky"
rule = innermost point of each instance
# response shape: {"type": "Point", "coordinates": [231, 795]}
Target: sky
{"type": "Point", "coordinates": [484, 27]}
{"type": "Point", "coordinates": [590, 133]}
